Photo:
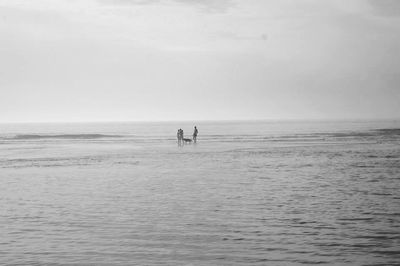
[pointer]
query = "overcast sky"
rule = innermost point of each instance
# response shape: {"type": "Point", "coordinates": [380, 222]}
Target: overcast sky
{"type": "Point", "coordinates": [123, 60]}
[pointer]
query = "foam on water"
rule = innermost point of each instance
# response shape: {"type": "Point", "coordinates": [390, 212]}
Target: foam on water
{"type": "Point", "coordinates": [63, 136]}
{"type": "Point", "coordinates": [249, 193]}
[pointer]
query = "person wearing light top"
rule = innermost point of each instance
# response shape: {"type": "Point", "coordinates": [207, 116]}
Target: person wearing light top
{"type": "Point", "coordinates": [178, 136]}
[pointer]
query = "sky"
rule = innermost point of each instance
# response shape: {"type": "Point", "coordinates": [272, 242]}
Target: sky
{"type": "Point", "coordinates": [161, 60]}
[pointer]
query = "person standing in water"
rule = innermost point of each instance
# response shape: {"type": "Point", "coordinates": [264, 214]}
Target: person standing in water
{"type": "Point", "coordinates": [181, 134]}
{"type": "Point", "coordinates": [195, 132]}
{"type": "Point", "coordinates": [178, 136]}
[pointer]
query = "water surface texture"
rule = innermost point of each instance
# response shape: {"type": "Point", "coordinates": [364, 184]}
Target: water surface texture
{"type": "Point", "coordinates": [249, 193]}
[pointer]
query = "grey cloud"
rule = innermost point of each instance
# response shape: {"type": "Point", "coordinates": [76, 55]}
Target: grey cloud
{"type": "Point", "coordinates": [390, 8]}
{"type": "Point", "coordinates": [219, 6]}
{"type": "Point", "coordinates": [209, 5]}
{"type": "Point", "coordinates": [241, 37]}
{"type": "Point", "coordinates": [128, 2]}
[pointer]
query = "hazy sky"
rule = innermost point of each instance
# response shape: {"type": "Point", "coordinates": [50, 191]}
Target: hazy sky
{"type": "Point", "coordinates": [102, 60]}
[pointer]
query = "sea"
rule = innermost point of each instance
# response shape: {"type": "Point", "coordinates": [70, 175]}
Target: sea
{"type": "Point", "coordinates": [247, 193]}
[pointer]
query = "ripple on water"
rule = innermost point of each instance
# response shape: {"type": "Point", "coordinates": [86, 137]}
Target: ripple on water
{"type": "Point", "coordinates": [268, 201]}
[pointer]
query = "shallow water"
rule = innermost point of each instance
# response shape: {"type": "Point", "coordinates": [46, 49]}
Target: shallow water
{"type": "Point", "coordinates": [249, 193]}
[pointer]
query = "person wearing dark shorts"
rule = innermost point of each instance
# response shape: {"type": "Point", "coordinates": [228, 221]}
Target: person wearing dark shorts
{"type": "Point", "coordinates": [195, 132]}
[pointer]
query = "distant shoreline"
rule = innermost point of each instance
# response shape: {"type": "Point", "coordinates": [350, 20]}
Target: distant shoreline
{"type": "Point", "coordinates": [211, 121]}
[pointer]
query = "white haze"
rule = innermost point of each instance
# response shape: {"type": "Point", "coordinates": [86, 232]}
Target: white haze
{"type": "Point", "coordinates": [117, 60]}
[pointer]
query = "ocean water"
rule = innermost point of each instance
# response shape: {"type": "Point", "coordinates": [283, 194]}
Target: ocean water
{"type": "Point", "coordinates": [248, 193]}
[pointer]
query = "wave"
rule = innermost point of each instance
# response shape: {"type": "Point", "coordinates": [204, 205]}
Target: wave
{"type": "Point", "coordinates": [389, 131]}
{"type": "Point", "coordinates": [64, 136]}
{"type": "Point", "coordinates": [114, 159]}
{"type": "Point", "coordinates": [317, 136]}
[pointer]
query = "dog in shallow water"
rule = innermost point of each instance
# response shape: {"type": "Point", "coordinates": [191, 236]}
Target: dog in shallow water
{"type": "Point", "coordinates": [185, 140]}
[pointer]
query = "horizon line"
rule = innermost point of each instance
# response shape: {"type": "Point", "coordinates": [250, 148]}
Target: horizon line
{"type": "Point", "coordinates": [207, 120]}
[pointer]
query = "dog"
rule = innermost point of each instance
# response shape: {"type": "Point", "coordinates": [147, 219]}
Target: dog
{"type": "Point", "coordinates": [185, 140]}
